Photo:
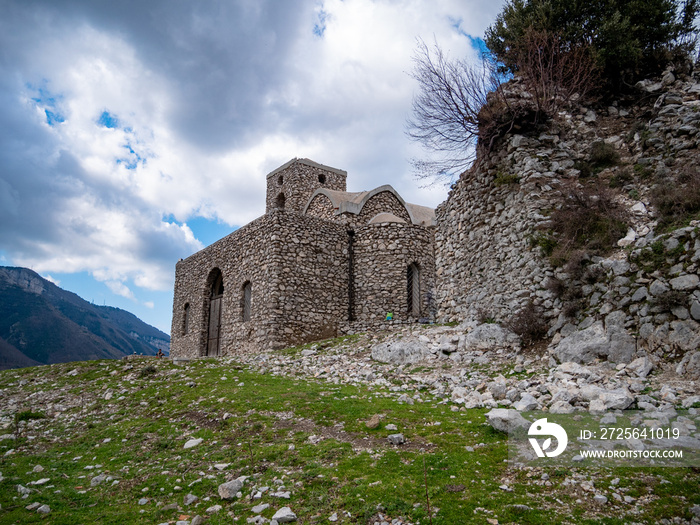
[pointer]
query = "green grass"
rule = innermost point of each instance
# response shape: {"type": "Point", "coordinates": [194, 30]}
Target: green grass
{"type": "Point", "coordinates": [250, 421]}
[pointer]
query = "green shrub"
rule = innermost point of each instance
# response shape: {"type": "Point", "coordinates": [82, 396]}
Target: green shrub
{"type": "Point", "coordinates": [545, 242]}
{"type": "Point", "coordinates": [589, 221]}
{"type": "Point", "coordinates": [677, 203]}
{"type": "Point", "coordinates": [629, 39]}
{"type": "Point", "coordinates": [603, 155]}
{"type": "Point", "coordinates": [620, 179]}
{"type": "Point", "coordinates": [147, 371]}
{"type": "Point", "coordinates": [641, 171]}
{"type": "Point", "coordinates": [669, 300]}
{"type": "Point", "coordinates": [28, 415]}
{"type": "Point", "coordinates": [529, 324]}
{"type": "Point", "coordinates": [503, 179]}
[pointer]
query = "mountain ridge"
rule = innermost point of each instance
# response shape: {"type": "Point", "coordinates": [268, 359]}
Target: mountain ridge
{"type": "Point", "coordinates": [40, 323]}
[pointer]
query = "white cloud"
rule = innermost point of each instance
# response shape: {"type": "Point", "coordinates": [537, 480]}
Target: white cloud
{"type": "Point", "coordinates": [204, 103]}
{"type": "Point", "coordinates": [120, 288]}
{"type": "Point", "coordinates": [52, 280]}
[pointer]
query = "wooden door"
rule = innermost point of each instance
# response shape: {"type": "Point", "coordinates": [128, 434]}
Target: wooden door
{"type": "Point", "coordinates": [214, 325]}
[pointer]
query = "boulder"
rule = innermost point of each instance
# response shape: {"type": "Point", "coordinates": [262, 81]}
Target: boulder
{"type": "Point", "coordinates": [597, 341]}
{"type": "Point", "coordinates": [527, 402]}
{"type": "Point", "coordinates": [690, 365]}
{"type": "Point", "coordinates": [583, 346]}
{"type": "Point", "coordinates": [507, 420]}
{"type": "Point", "coordinates": [641, 366]}
{"type": "Point", "coordinates": [490, 336]}
{"type": "Point", "coordinates": [617, 399]}
{"type": "Point", "coordinates": [399, 352]}
{"type": "Point", "coordinates": [229, 489]}
{"type": "Point", "coordinates": [396, 439]}
{"type": "Point", "coordinates": [561, 407]}
{"type": "Point", "coordinates": [685, 335]}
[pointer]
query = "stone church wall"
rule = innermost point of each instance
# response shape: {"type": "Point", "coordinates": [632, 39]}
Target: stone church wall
{"type": "Point", "coordinates": [383, 253]}
{"type": "Point", "coordinates": [310, 283]}
{"type": "Point", "coordinates": [245, 255]}
{"type": "Point", "coordinates": [297, 267]}
{"type": "Point", "coordinates": [297, 180]}
{"type": "Point", "coordinates": [382, 202]}
{"type": "Point", "coordinates": [322, 207]}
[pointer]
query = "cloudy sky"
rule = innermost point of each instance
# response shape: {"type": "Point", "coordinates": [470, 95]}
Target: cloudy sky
{"type": "Point", "coordinates": [134, 133]}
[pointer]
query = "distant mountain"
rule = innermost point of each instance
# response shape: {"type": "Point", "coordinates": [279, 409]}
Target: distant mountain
{"type": "Point", "coordinates": [41, 324]}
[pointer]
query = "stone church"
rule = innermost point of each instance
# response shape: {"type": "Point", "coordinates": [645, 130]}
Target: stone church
{"type": "Point", "coordinates": [321, 262]}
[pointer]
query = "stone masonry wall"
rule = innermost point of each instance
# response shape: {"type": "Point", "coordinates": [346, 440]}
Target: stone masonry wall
{"type": "Point", "coordinates": [297, 180]}
{"type": "Point", "coordinates": [383, 202]}
{"type": "Point", "coordinates": [310, 286]}
{"type": "Point", "coordinates": [232, 256]}
{"type": "Point", "coordinates": [642, 298]}
{"type": "Point", "coordinates": [383, 253]}
{"type": "Point", "coordinates": [297, 267]}
{"type": "Point", "coordinates": [322, 207]}
{"type": "Point", "coordinates": [483, 256]}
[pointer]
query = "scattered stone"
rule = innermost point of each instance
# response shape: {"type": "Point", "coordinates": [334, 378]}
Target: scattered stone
{"type": "Point", "coordinates": [599, 498]}
{"type": "Point", "coordinates": [258, 509]}
{"type": "Point", "coordinates": [490, 336]}
{"type": "Point", "coordinates": [44, 509]}
{"type": "Point", "coordinates": [373, 422]}
{"type": "Point", "coordinates": [399, 352]}
{"type": "Point", "coordinates": [143, 501]}
{"type": "Point", "coordinates": [98, 480]}
{"type": "Point", "coordinates": [214, 509]}
{"type": "Point", "coordinates": [284, 515]}
{"type": "Point", "coordinates": [193, 443]}
{"type": "Point", "coordinates": [229, 489]}
{"type": "Point", "coordinates": [507, 420]}
{"type": "Point", "coordinates": [190, 499]}
{"type": "Point", "coordinates": [396, 439]}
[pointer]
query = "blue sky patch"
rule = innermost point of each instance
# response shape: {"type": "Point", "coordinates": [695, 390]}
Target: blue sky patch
{"type": "Point", "coordinates": [132, 161]}
{"type": "Point", "coordinates": [476, 42]}
{"type": "Point", "coordinates": [320, 25]}
{"type": "Point", "coordinates": [53, 118]}
{"type": "Point", "coordinates": [108, 120]}
{"type": "Point", "coordinates": [207, 231]}
{"type": "Point", "coordinates": [47, 101]}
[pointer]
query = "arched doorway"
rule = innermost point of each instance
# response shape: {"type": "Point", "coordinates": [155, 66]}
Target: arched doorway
{"type": "Point", "coordinates": [216, 303]}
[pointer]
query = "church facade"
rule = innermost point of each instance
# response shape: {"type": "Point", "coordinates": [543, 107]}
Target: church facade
{"type": "Point", "coordinates": [321, 262]}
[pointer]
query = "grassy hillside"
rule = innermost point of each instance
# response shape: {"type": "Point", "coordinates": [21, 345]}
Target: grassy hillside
{"type": "Point", "coordinates": [103, 442]}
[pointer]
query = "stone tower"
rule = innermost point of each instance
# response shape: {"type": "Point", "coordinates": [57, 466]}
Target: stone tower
{"type": "Point", "coordinates": [290, 186]}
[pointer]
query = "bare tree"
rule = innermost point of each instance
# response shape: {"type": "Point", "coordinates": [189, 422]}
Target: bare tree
{"type": "Point", "coordinates": [555, 73]}
{"type": "Point", "coordinates": [462, 108]}
{"type": "Point", "coordinates": [446, 110]}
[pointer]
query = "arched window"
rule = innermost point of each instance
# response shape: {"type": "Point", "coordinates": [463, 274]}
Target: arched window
{"type": "Point", "coordinates": [280, 180]}
{"type": "Point", "coordinates": [217, 287]}
{"type": "Point", "coordinates": [186, 319]}
{"type": "Point", "coordinates": [321, 178]}
{"type": "Point", "coordinates": [413, 290]}
{"type": "Point", "coordinates": [246, 301]}
{"type": "Point", "coordinates": [279, 202]}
